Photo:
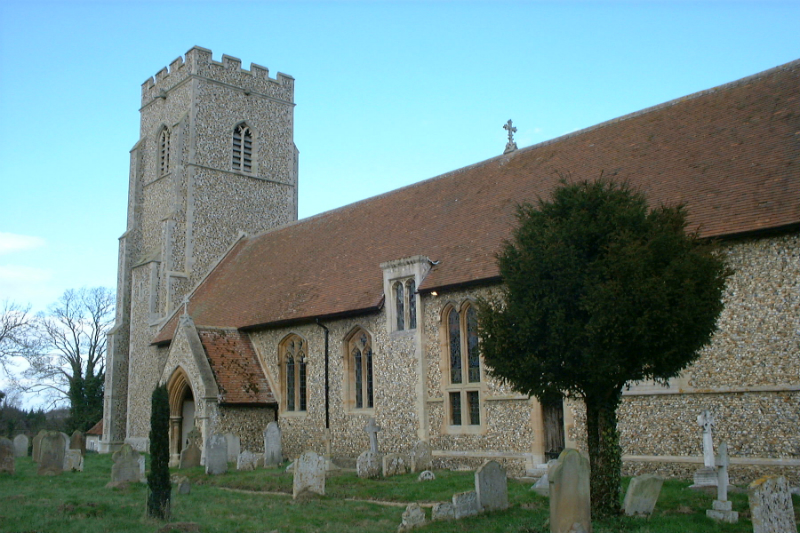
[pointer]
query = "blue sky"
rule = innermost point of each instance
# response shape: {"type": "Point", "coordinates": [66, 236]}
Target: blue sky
{"type": "Point", "coordinates": [388, 93]}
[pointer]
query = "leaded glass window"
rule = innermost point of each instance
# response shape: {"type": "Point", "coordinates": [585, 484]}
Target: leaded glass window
{"type": "Point", "coordinates": [455, 408]}
{"type": "Point", "coordinates": [361, 371]}
{"type": "Point", "coordinates": [290, 383]}
{"type": "Point", "coordinates": [411, 287]}
{"type": "Point", "coordinates": [295, 364]}
{"type": "Point", "coordinates": [400, 305]}
{"type": "Point", "coordinates": [474, 405]}
{"type": "Point", "coordinates": [454, 337]}
{"type": "Point", "coordinates": [473, 359]}
{"type": "Point", "coordinates": [461, 327]}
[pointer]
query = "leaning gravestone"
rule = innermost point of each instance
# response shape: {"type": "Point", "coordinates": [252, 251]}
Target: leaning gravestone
{"type": "Point", "coordinates": [181, 484]}
{"type": "Point", "coordinates": [395, 464]}
{"type": "Point", "coordinates": [21, 445]}
{"type": "Point", "coordinates": [465, 504]}
{"type": "Point", "coordinates": [369, 465]}
{"type": "Point", "coordinates": [413, 517]}
{"type": "Point", "coordinates": [443, 511]}
{"type": "Point", "coordinates": [216, 455]}
{"type": "Point", "coordinates": [7, 460]}
{"type": "Point", "coordinates": [273, 450]}
{"type": "Point", "coordinates": [37, 441]}
{"type": "Point", "coordinates": [128, 466]}
{"type": "Point", "coordinates": [421, 456]}
{"type": "Point", "coordinates": [247, 460]}
{"type": "Point", "coordinates": [73, 461]}
{"type": "Point", "coordinates": [542, 486]}
{"type": "Point", "coordinates": [234, 447]}
{"type": "Point", "coordinates": [190, 457]}
{"type": "Point", "coordinates": [491, 486]}
{"type": "Point", "coordinates": [643, 492]}
{"type": "Point", "coordinates": [570, 507]}
{"type": "Point", "coordinates": [52, 448]}
{"type": "Point", "coordinates": [309, 475]}
{"type": "Point", "coordinates": [771, 508]}
{"type": "Point", "coordinates": [78, 442]}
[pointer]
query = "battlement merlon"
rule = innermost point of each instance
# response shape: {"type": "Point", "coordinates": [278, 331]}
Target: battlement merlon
{"type": "Point", "coordinates": [199, 62]}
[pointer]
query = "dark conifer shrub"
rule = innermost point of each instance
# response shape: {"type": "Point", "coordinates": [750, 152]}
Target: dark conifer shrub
{"type": "Point", "coordinates": [158, 479]}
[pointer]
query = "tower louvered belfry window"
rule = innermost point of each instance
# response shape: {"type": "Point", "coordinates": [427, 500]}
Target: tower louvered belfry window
{"type": "Point", "coordinates": [242, 149]}
{"type": "Point", "coordinates": [163, 152]}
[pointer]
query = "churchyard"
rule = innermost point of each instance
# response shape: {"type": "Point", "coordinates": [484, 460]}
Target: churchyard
{"type": "Point", "coordinates": [260, 501]}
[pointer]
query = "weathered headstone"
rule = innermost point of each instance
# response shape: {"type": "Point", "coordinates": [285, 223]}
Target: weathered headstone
{"type": "Point", "coordinates": [273, 449]}
{"type": "Point", "coordinates": [182, 484]}
{"type": "Point", "coordinates": [194, 437]}
{"type": "Point", "coordinates": [234, 447]}
{"type": "Point", "coordinates": [642, 495]}
{"type": "Point", "coordinates": [73, 461]}
{"type": "Point", "coordinates": [542, 486]}
{"type": "Point", "coordinates": [309, 475]}
{"type": "Point", "coordinates": [216, 455]}
{"type": "Point", "coordinates": [128, 466]}
{"type": "Point", "coordinates": [21, 445]}
{"type": "Point", "coordinates": [443, 511]}
{"type": "Point", "coordinates": [707, 475]}
{"type": "Point", "coordinates": [413, 517]}
{"type": "Point", "coordinates": [426, 475]}
{"type": "Point", "coordinates": [190, 457]}
{"type": "Point", "coordinates": [421, 456]}
{"type": "Point", "coordinates": [52, 448]}
{"type": "Point", "coordinates": [369, 465]}
{"type": "Point", "coordinates": [7, 459]}
{"type": "Point", "coordinates": [37, 441]}
{"type": "Point", "coordinates": [395, 464]}
{"type": "Point", "coordinates": [491, 486]}
{"type": "Point", "coordinates": [771, 508]}
{"type": "Point", "coordinates": [722, 509]}
{"type": "Point", "coordinates": [78, 442]}
{"type": "Point", "coordinates": [247, 460]}
{"type": "Point", "coordinates": [570, 507]}
{"type": "Point", "coordinates": [372, 430]}
{"type": "Point", "coordinates": [465, 504]}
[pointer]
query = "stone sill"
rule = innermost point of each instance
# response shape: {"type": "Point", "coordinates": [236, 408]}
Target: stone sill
{"type": "Point", "coordinates": [714, 390]}
{"type": "Point", "coordinates": [684, 459]}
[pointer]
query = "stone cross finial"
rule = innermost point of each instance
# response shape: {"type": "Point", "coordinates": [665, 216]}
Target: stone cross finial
{"type": "Point", "coordinates": [372, 429]}
{"type": "Point", "coordinates": [186, 305]}
{"type": "Point", "coordinates": [707, 422]}
{"type": "Point", "coordinates": [510, 145]}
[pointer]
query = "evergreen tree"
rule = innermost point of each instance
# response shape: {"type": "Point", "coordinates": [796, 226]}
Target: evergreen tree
{"type": "Point", "coordinates": [600, 291]}
{"type": "Point", "coordinates": [158, 500]}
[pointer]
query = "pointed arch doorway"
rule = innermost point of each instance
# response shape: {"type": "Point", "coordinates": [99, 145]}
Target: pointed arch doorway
{"type": "Point", "coordinates": [181, 413]}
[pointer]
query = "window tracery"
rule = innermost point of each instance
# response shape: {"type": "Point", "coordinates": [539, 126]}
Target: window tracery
{"type": "Point", "coordinates": [293, 350]}
{"type": "Point", "coordinates": [242, 149]}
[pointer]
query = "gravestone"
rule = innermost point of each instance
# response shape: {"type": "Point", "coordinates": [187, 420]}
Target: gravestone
{"type": "Point", "coordinates": [128, 466]}
{"type": "Point", "coordinates": [570, 507]}
{"type": "Point", "coordinates": [491, 486]}
{"type": "Point", "coordinates": [426, 475]}
{"type": "Point", "coordinates": [642, 495]}
{"type": "Point", "coordinates": [413, 517]}
{"type": "Point", "coordinates": [7, 459]}
{"type": "Point", "coordinates": [52, 448]}
{"type": "Point", "coordinates": [309, 475]}
{"type": "Point", "coordinates": [194, 437]}
{"type": "Point", "coordinates": [421, 456]}
{"type": "Point", "coordinates": [216, 455]}
{"type": "Point", "coordinates": [73, 461]}
{"type": "Point", "coordinates": [722, 509]}
{"type": "Point", "coordinates": [771, 508]}
{"type": "Point", "coordinates": [369, 465]}
{"type": "Point", "coordinates": [372, 430]}
{"type": "Point", "coordinates": [190, 457]}
{"type": "Point", "coordinates": [247, 460]}
{"type": "Point", "coordinates": [234, 447]}
{"type": "Point", "coordinates": [707, 475]}
{"type": "Point", "coordinates": [78, 442]}
{"type": "Point", "coordinates": [465, 504]}
{"type": "Point", "coordinates": [181, 484]}
{"type": "Point", "coordinates": [542, 486]}
{"type": "Point", "coordinates": [37, 440]}
{"type": "Point", "coordinates": [273, 449]}
{"type": "Point", "coordinates": [443, 511]}
{"type": "Point", "coordinates": [395, 464]}
{"type": "Point", "coordinates": [21, 445]}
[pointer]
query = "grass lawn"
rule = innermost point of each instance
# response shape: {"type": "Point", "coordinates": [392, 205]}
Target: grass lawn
{"type": "Point", "coordinates": [260, 502]}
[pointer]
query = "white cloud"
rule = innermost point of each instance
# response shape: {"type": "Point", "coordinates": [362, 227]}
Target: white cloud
{"type": "Point", "coordinates": [11, 242]}
{"type": "Point", "coordinates": [13, 274]}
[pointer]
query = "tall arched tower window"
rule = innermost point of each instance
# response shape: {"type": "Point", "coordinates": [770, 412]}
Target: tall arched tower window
{"type": "Point", "coordinates": [293, 364]}
{"type": "Point", "coordinates": [242, 148]}
{"type": "Point", "coordinates": [163, 152]}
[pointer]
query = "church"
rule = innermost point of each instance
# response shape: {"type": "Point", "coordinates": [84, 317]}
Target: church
{"type": "Point", "coordinates": [250, 315]}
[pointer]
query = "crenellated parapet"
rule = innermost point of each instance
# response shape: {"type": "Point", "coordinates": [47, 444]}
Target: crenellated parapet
{"type": "Point", "coordinates": [199, 63]}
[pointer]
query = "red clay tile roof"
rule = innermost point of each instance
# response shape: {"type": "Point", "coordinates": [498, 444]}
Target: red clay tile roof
{"type": "Point", "coordinates": [97, 429]}
{"type": "Point", "coordinates": [731, 154]}
{"type": "Point", "coordinates": [236, 368]}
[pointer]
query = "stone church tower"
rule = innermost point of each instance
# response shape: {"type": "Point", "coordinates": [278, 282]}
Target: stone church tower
{"type": "Point", "coordinates": [215, 158]}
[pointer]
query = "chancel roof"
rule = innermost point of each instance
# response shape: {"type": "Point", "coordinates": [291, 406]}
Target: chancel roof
{"type": "Point", "coordinates": [731, 154]}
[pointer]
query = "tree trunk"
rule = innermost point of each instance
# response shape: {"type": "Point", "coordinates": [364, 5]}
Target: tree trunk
{"type": "Point", "coordinates": [605, 454]}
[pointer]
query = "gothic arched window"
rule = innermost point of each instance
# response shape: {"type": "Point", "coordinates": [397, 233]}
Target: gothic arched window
{"type": "Point", "coordinates": [242, 148]}
{"type": "Point", "coordinates": [294, 364]}
{"type": "Point", "coordinates": [464, 364]}
{"type": "Point", "coordinates": [360, 373]}
{"type": "Point", "coordinates": [405, 304]}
